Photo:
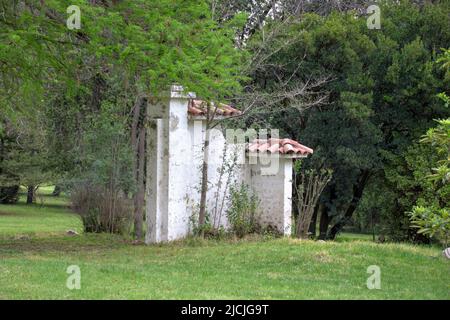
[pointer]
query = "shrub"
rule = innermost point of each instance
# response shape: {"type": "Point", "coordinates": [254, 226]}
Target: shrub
{"type": "Point", "coordinates": [102, 210]}
{"type": "Point", "coordinates": [207, 230]}
{"type": "Point", "coordinates": [432, 221]}
{"type": "Point", "coordinates": [431, 214]}
{"type": "Point", "coordinates": [242, 212]}
{"type": "Point", "coordinates": [9, 195]}
{"type": "Point", "coordinates": [308, 187]}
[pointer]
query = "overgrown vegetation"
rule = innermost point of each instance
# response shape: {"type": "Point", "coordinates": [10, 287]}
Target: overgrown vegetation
{"type": "Point", "coordinates": [431, 215]}
{"type": "Point", "coordinates": [243, 210]}
{"type": "Point", "coordinates": [308, 186]}
{"type": "Point", "coordinates": [9, 195]}
{"type": "Point", "coordinates": [102, 210]}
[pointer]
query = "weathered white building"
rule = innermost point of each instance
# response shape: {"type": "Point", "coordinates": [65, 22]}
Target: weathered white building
{"type": "Point", "coordinates": [176, 132]}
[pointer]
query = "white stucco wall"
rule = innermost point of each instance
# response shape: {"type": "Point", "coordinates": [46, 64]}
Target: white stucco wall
{"type": "Point", "coordinates": [219, 152]}
{"type": "Point", "coordinates": [275, 193]}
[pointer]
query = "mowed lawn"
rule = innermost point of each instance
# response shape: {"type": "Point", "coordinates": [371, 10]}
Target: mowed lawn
{"type": "Point", "coordinates": [34, 266]}
{"type": "Point", "coordinates": [49, 216]}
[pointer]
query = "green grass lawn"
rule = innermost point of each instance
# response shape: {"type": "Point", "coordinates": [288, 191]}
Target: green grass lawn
{"type": "Point", "coordinates": [113, 268]}
{"type": "Point", "coordinates": [48, 216]}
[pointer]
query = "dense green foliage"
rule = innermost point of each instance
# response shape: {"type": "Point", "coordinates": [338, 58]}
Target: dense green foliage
{"type": "Point", "coordinates": [67, 96]}
{"type": "Point", "coordinates": [431, 215]}
{"type": "Point", "coordinates": [382, 96]}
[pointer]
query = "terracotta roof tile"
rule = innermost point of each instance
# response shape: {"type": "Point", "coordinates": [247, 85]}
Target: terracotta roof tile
{"type": "Point", "coordinates": [282, 146]}
{"type": "Point", "coordinates": [199, 108]}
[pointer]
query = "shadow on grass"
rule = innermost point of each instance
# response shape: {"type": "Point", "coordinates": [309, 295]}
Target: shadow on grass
{"type": "Point", "coordinates": [46, 202]}
{"type": "Point", "coordinates": [46, 206]}
{"type": "Point", "coordinates": [60, 243]}
{"type": "Point", "coordinates": [100, 242]}
{"type": "Point", "coordinates": [7, 213]}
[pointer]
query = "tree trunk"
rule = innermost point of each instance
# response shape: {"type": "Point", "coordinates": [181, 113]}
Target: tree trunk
{"type": "Point", "coordinates": [140, 194]}
{"type": "Point", "coordinates": [204, 186]}
{"type": "Point", "coordinates": [204, 183]}
{"type": "Point", "coordinates": [372, 225]}
{"type": "Point", "coordinates": [138, 147]}
{"type": "Point", "coordinates": [2, 151]}
{"type": "Point", "coordinates": [295, 208]}
{"type": "Point", "coordinates": [358, 189]}
{"type": "Point", "coordinates": [30, 195]}
{"type": "Point", "coordinates": [324, 222]}
{"type": "Point", "coordinates": [312, 226]}
{"type": "Point", "coordinates": [311, 185]}
{"type": "Point", "coordinates": [57, 191]}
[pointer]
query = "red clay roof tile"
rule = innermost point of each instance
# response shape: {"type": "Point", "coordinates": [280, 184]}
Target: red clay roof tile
{"type": "Point", "coordinates": [198, 107]}
{"type": "Point", "coordinates": [282, 146]}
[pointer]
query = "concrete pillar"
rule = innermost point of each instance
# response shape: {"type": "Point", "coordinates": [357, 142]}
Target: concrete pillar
{"type": "Point", "coordinates": [169, 155]}
{"type": "Point", "coordinates": [157, 181]}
